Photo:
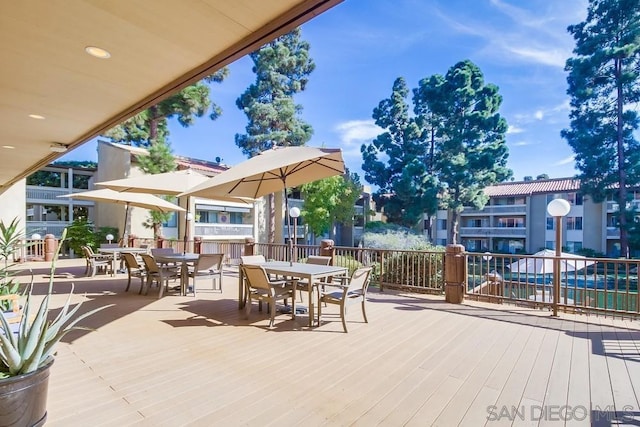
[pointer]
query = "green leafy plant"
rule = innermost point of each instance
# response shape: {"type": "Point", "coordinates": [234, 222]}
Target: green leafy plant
{"type": "Point", "coordinates": [33, 345]}
{"type": "Point", "coordinates": [10, 240]}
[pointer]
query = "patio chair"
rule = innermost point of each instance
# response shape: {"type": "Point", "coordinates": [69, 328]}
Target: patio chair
{"type": "Point", "coordinates": [353, 289]}
{"type": "Point", "coordinates": [252, 259]}
{"type": "Point", "coordinates": [208, 265]}
{"type": "Point", "coordinates": [261, 288]}
{"type": "Point", "coordinates": [303, 285]}
{"type": "Point", "coordinates": [96, 262]}
{"type": "Point", "coordinates": [134, 269]}
{"type": "Point", "coordinates": [158, 274]}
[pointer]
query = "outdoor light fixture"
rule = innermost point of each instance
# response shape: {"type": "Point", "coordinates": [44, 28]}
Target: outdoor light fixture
{"type": "Point", "coordinates": [189, 216]}
{"type": "Point", "coordinates": [294, 213]}
{"type": "Point", "coordinates": [557, 208]}
{"type": "Point", "coordinates": [36, 116]}
{"type": "Point", "coordinates": [109, 237]}
{"type": "Point", "coordinates": [56, 147]}
{"type": "Point", "coordinates": [97, 52]}
{"type": "Point", "coordinates": [36, 236]}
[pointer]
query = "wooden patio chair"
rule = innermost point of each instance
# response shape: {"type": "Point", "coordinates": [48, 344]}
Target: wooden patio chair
{"type": "Point", "coordinates": [158, 274]}
{"type": "Point", "coordinates": [134, 269]}
{"type": "Point", "coordinates": [208, 265]}
{"type": "Point", "coordinates": [261, 288]}
{"type": "Point", "coordinates": [96, 262]}
{"type": "Point", "coordinates": [303, 285]}
{"type": "Point", "coordinates": [351, 290]}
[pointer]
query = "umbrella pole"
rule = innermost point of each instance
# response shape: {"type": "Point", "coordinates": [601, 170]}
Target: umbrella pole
{"type": "Point", "coordinates": [125, 235]}
{"type": "Point", "coordinates": [186, 228]}
{"type": "Point", "coordinates": [286, 207]}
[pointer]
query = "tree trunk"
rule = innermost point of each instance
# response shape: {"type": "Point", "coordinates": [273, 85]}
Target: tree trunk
{"type": "Point", "coordinates": [622, 178]}
{"type": "Point", "coordinates": [453, 232]}
{"type": "Point", "coordinates": [153, 125]}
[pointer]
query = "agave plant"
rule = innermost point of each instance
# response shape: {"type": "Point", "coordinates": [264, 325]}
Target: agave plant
{"type": "Point", "coordinates": [33, 344]}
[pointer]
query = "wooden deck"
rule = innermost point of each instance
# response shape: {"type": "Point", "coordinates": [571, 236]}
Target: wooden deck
{"type": "Point", "coordinates": [184, 361]}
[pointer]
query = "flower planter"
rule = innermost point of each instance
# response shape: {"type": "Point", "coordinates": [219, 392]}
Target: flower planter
{"type": "Point", "coordinates": [23, 398]}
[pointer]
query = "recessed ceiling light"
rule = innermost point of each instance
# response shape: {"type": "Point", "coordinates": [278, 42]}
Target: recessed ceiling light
{"type": "Point", "coordinates": [9, 147]}
{"type": "Point", "coordinates": [36, 116]}
{"type": "Point", "coordinates": [56, 147]}
{"type": "Point", "coordinates": [98, 52]}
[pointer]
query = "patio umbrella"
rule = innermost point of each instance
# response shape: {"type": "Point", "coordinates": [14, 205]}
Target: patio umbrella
{"type": "Point", "coordinates": [169, 183]}
{"type": "Point", "coordinates": [272, 171]}
{"type": "Point", "coordinates": [544, 264]}
{"type": "Point", "coordinates": [147, 201]}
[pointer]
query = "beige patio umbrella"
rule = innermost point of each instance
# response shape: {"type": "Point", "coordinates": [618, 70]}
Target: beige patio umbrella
{"type": "Point", "coordinates": [147, 201]}
{"type": "Point", "coordinates": [169, 183]}
{"type": "Point", "coordinates": [272, 171]}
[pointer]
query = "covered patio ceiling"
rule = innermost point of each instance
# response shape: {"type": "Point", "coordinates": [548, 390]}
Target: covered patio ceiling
{"type": "Point", "coordinates": [54, 93]}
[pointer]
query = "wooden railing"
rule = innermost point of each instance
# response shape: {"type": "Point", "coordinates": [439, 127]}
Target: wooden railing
{"type": "Point", "coordinates": [596, 285]}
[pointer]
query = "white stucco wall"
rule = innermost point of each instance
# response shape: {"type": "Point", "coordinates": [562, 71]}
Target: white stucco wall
{"type": "Point", "coordinates": [13, 203]}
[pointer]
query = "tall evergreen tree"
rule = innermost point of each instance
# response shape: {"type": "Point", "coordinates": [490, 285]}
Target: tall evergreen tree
{"type": "Point", "coordinates": [186, 105]}
{"type": "Point", "coordinates": [282, 68]}
{"type": "Point", "coordinates": [398, 161]}
{"type": "Point", "coordinates": [470, 146]}
{"type": "Point", "coordinates": [604, 85]}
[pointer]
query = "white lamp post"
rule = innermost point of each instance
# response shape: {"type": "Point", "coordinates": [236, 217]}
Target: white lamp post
{"type": "Point", "coordinates": [294, 213]}
{"type": "Point", "coordinates": [557, 208]}
{"type": "Point", "coordinates": [109, 237]}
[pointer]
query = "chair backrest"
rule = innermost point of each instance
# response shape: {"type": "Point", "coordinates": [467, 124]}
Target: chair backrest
{"type": "Point", "coordinates": [130, 261]}
{"type": "Point", "coordinates": [319, 260]}
{"type": "Point", "coordinates": [150, 263]}
{"type": "Point", "coordinates": [359, 281]}
{"type": "Point", "coordinates": [209, 262]}
{"type": "Point", "coordinates": [109, 245]}
{"type": "Point", "coordinates": [256, 276]}
{"type": "Point", "coordinates": [162, 251]}
{"type": "Point", "coordinates": [252, 259]}
{"type": "Point", "coordinates": [87, 252]}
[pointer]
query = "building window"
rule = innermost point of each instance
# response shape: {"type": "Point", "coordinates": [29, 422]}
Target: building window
{"type": "Point", "coordinates": [441, 224]}
{"type": "Point", "coordinates": [474, 223]}
{"type": "Point", "coordinates": [441, 242]}
{"type": "Point", "coordinates": [520, 200]}
{"type": "Point", "coordinates": [172, 221]}
{"type": "Point", "coordinates": [511, 222]}
{"type": "Point", "coordinates": [550, 223]}
{"type": "Point", "coordinates": [574, 223]}
{"type": "Point", "coordinates": [550, 244]}
{"type": "Point", "coordinates": [575, 199]}
{"type": "Point", "coordinates": [574, 246]}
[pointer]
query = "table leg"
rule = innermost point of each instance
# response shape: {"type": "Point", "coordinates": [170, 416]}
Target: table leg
{"type": "Point", "coordinates": [240, 288]}
{"type": "Point", "coordinates": [311, 303]}
{"type": "Point", "coordinates": [183, 279]}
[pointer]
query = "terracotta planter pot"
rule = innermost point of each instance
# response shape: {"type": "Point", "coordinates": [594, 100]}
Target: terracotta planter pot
{"type": "Point", "coordinates": [23, 399]}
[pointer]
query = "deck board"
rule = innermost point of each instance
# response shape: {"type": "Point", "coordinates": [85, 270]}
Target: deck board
{"type": "Point", "coordinates": [185, 361]}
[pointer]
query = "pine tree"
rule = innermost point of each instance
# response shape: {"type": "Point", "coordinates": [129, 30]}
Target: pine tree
{"type": "Point", "coordinates": [398, 162]}
{"type": "Point", "coordinates": [281, 67]}
{"type": "Point", "coordinates": [604, 85]}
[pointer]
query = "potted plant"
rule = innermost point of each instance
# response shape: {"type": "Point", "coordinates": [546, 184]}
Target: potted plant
{"type": "Point", "coordinates": [27, 349]}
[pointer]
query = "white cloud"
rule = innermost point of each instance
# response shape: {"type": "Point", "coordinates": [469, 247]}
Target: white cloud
{"type": "Point", "coordinates": [553, 57]}
{"type": "Point", "coordinates": [513, 129]}
{"type": "Point", "coordinates": [565, 161]}
{"type": "Point", "coordinates": [521, 143]}
{"type": "Point", "coordinates": [539, 115]}
{"type": "Point", "coordinates": [353, 133]}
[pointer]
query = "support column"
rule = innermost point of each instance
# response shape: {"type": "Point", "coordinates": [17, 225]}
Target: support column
{"type": "Point", "coordinates": [455, 273]}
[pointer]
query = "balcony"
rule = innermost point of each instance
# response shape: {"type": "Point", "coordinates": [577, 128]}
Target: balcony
{"type": "Point", "coordinates": [46, 227]}
{"type": "Point", "coordinates": [159, 362]}
{"type": "Point", "coordinates": [496, 210]}
{"type": "Point", "coordinates": [493, 232]}
{"type": "Point", "coordinates": [37, 194]}
{"type": "Point", "coordinates": [613, 233]}
{"type": "Point", "coordinates": [223, 230]}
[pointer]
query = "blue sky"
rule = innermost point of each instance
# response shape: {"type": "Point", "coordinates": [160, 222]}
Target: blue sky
{"type": "Point", "coordinates": [361, 46]}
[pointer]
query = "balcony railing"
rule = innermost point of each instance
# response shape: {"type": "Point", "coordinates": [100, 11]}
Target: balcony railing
{"type": "Point", "coordinates": [496, 210]}
{"type": "Point", "coordinates": [217, 230]}
{"type": "Point", "coordinates": [35, 193]}
{"type": "Point", "coordinates": [493, 232]}
{"type": "Point", "coordinates": [46, 227]}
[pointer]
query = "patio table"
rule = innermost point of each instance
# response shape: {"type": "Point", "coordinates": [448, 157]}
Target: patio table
{"type": "Point", "coordinates": [184, 260]}
{"type": "Point", "coordinates": [116, 251]}
{"type": "Point", "coordinates": [313, 273]}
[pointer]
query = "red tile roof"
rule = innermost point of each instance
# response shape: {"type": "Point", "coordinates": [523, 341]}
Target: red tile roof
{"type": "Point", "coordinates": [526, 188]}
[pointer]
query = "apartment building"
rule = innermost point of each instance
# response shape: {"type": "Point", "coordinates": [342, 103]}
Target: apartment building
{"type": "Point", "coordinates": [212, 220]}
{"type": "Point", "coordinates": [515, 220]}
